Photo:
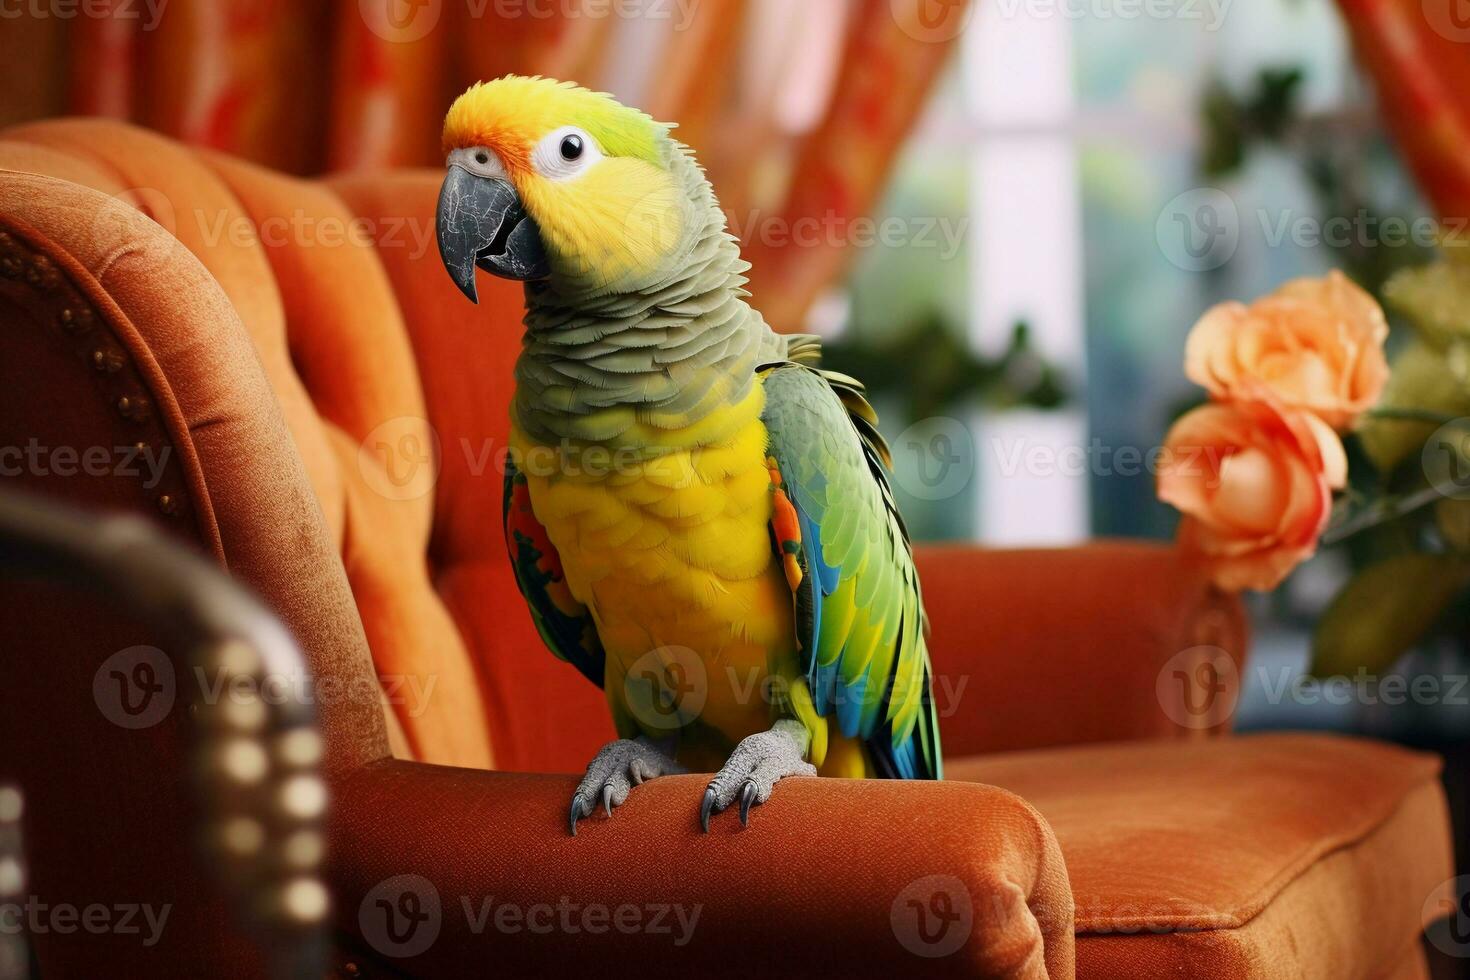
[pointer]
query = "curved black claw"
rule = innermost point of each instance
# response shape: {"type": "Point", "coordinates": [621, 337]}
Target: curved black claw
{"type": "Point", "coordinates": [581, 806]}
{"type": "Point", "coordinates": [747, 797]}
{"type": "Point", "coordinates": [705, 809]}
{"type": "Point", "coordinates": [612, 774]}
{"type": "Point", "coordinates": [754, 768]}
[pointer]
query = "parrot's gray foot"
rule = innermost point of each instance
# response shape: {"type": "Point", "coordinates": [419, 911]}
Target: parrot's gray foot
{"type": "Point", "coordinates": [754, 768]}
{"type": "Point", "coordinates": [613, 773]}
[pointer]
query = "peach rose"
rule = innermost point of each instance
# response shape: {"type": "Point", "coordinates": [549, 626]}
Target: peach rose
{"type": "Point", "coordinates": [1254, 481]}
{"type": "Point", "coordinates": [1314, 344]}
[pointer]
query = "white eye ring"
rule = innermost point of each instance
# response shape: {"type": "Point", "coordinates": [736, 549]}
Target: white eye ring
{"type": "Point", "coordinates": [478, 160]}
{"type": "Point", "coordinates": [553, 157]}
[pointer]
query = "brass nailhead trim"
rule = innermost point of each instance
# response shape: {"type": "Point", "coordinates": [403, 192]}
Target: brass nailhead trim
{"type": "Point", "coordinates": [60, 302]}
{"type": "Point", "coordinates": [106, 360]}
{"type": "Point", "coordinates": [42, 273]}
{"type": "Point", "coordinates": [76, 321]}
{"type": "Point", "coordinates": [134, 408]}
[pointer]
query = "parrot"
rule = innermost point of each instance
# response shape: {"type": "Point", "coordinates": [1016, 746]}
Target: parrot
{"type": "Point", "coordinates": [698, 515]}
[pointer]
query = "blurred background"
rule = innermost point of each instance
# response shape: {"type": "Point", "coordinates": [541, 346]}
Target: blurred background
{"type": "Point", "coordinates": [1004, 217]}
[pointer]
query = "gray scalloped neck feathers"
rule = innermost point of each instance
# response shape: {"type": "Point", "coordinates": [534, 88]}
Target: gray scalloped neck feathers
{"type": "Point", "coordinates": [666, 353]}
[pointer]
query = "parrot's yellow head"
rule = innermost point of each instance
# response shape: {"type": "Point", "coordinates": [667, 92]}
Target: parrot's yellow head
{"type": "Point", "coordinates": [547, 180]}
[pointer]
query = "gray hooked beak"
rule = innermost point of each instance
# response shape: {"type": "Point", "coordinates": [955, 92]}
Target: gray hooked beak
{"type": "Point", "coordinates": [481, 222]}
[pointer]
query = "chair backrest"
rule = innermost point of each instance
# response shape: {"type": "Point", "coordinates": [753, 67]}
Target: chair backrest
{"type": "Point", "coordinates": [360, 415]}
{"type": "Point", "coordinates": [280, 373]}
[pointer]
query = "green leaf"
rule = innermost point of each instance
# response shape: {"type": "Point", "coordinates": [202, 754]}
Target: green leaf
{"type": "Point", "coordinates": [1274, 107]}
{"type": "Point", "coordinates": [1223, 146]}
{"type": "Point", "coordinates": [1422, 379]}
{"type": "Point", "coordinates": [1384, 611]}
{"type": "Point", "coordinates": [1435, 299]}
{"type": "Point", "coordinates": [1452, 516]}
{"type": "Point", "coordinates": [1456, 248]}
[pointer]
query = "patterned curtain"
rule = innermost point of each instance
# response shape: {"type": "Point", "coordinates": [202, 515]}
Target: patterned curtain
{"type": "Point", "coordinates": [796, 108]}
{"type": "Point", "coordinates": [1418, 52]}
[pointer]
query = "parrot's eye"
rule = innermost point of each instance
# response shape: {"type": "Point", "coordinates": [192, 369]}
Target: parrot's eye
{"type": "Point", "coordinates": [478, 160]}
{"type": "Point", "coordinates": [566, 153]}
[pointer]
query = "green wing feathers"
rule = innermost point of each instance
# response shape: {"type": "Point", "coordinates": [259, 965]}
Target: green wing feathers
{"type": "Point", "coordinates": [860, 616]}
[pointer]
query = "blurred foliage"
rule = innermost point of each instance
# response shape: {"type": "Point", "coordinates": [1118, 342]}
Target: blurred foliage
{"type": "Point", "coordinates": [1385, 610]}
{"type": "Point", "coordinates": [1436, 298]}
{"type": "Point", "coordinates": [1422, 382]}
{"type": "Point", "coordinates": [1232, 123]}
{"type": "Point", "coordinates": [1406, 519]}
{"type": "Point", "coordinates": [1332, 156]}
{"type": "Point", "coordinates": [931, 370]}
{"type": "Point", "coordinates": [1408, 543]}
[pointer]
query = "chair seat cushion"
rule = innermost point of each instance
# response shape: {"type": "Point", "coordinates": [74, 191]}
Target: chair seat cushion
{"type": "Point", "coordinates": [1283, 855]}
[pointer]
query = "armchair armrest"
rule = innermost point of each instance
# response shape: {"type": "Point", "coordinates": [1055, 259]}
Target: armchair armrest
{"type": "Point", "coordinates": [1113, 640]}
{"type": "Point", "coordinates": [820, 882]}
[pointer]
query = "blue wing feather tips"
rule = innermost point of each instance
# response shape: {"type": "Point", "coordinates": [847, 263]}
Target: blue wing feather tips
{"type": "Point", "coordinates": [794, 440]}
{"type": "Point", "coordinates": [904, 759]}
{"type": "Point", "coordinates": [820, 679]}
{"type": "Point", "coordinates": [850, 704]}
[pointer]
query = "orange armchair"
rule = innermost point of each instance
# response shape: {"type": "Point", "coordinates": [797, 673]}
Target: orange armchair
{"type": "Point", "coordinates": [325, 414]}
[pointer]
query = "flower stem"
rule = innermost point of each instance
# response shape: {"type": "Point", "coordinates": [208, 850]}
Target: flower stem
{"type": "Point", "coordinates": [1381, 513]}
{"type": "Point", "coordinates": [1412, 415]}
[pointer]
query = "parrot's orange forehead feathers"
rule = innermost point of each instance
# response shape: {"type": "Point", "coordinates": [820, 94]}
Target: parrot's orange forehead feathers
{"type": "Point", "coordinates": [511, 114]}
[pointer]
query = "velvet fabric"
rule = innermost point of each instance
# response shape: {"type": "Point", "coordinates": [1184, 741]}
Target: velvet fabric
{"type": "Point", "coordinates": [334, 412]}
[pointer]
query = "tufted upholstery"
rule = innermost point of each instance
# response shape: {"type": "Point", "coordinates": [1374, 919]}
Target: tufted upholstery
{"type": "Point", "coordinates": [339, 352]}
{"type": "Point", "coordinates": [374, 358]}
{"type": "Point", "coordinates": [333, 413]}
